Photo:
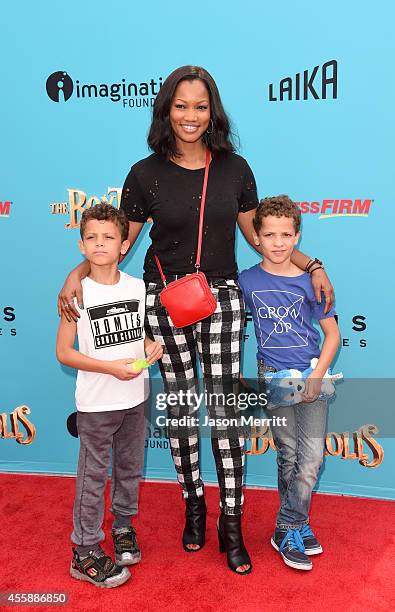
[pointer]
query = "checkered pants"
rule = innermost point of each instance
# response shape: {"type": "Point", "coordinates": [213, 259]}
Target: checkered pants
{"type": "Point", "coordinates": [217, 341]}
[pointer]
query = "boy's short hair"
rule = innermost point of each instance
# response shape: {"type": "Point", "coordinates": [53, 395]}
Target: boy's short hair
{"type": "Point", "coordinates": [106, 212]}
{"type": "Point", "coordinates": [277, 206]}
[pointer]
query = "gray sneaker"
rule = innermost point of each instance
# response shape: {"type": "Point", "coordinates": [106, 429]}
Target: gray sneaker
{"type": "Point", "coordinates": [98, 569]}
{"type": "Point", "coordinates": [127, 551]}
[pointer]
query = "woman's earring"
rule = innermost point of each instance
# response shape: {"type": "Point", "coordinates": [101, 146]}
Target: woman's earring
{"type": "Point", "coordinates": [211, 125]}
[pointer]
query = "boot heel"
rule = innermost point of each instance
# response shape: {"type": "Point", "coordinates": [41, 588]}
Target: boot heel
{"type": "Point", "coordinates": [221, 543]}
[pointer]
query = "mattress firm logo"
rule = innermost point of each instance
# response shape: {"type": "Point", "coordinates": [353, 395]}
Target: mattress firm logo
{"type": "Point", "coordinates": [61, 87]}
{"type": "Point", "coordinates": [115, 323]}
{"type": "Point", "coordinates": [79, 201]}
{"type": "Point", "coordinates": [5, 207]}
{"type": "Point", "coordinates": [318, 83]}
{"type": "Point", "coordinates": [327, 209]}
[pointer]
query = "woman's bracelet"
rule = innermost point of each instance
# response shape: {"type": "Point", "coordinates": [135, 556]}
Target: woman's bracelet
{"type": "Point", "coordinates": [316, 268]}
{"type": "Point", "coordinates": [310, 265]}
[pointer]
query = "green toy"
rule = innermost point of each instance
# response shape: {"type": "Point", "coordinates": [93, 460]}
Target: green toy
{"type": "Point", "coordinates": [138, 365]}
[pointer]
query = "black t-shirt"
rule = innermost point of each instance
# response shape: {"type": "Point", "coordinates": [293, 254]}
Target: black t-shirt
{"type": "Point", "coordinates": [170, 194]}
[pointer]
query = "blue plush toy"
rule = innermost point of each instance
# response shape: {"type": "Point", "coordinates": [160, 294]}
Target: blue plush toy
{"type": "Point", "coordinates": [284, 388]}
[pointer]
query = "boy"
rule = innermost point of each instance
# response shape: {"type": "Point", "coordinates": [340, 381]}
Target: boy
{"type": "Point", "coordinates": [282, 303]}
{"type": "Point", "coordinates": [110, 397]}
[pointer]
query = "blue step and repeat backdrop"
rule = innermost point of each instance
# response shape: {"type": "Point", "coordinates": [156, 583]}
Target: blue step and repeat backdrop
{"type": "Point", "coordinates": [309, 90]}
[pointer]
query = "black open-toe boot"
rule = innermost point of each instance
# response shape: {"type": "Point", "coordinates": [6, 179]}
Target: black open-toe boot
{"type": "Point", "coordinates": [195, 523]}
{"type": "Point", "coordinates": [231, 541]}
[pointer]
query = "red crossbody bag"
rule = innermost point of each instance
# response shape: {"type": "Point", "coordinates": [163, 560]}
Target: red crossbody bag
{"type": "Point", "coordinates": [189, 299]}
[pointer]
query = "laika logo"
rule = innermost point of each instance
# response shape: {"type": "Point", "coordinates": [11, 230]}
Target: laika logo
{"type": "Point", "coordinates": [59, 86]}
{"type": "Point", "coordinates": [280, 325]}
{"type": "Point", "coordinates": [305, 87]}
{"type": "Point", "coordinates": [115, 323]}
{"type": "Point", "coordinates": [5, 209]}
{"type": "Point", "coordinates": [336, 208]}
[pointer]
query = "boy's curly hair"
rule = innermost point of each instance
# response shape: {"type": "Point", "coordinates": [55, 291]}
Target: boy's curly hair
{"type": "Point", "coordinates": [106, 212]}
{"type": "Point", "coordinates": [277, 206]}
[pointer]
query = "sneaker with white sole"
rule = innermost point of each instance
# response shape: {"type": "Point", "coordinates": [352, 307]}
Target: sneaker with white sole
{"type": "Point", "coordinates": [311, 544]}
{"type": "Point", "coordinates": [289, 543]}
{"type": "Point", "coordinates": [127, 551]}
{"type": "Point", "coordinates": [98, 569]}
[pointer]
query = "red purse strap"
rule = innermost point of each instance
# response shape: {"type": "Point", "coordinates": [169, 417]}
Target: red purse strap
{"type": "Point", "coordinates": [202, 205]}
{"type": "Point", "coordinates": [163, 277]}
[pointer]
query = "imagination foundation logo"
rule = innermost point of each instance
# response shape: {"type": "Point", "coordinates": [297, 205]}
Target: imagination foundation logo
{"type": "Point", "coordinates": [60, 87]}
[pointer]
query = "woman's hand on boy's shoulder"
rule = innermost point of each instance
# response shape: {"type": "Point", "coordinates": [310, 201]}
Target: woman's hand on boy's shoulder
{"type": "Point", "coordinates": [322, 284]}
{"type": "Point", "coordinates": [71, 288]}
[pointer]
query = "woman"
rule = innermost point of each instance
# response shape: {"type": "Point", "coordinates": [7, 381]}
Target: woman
{"type": "Point", "coordinates": [188, 119]}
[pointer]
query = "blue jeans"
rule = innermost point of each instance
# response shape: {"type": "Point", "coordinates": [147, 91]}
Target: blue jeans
{"type": "Point", "coordinates": [300, 452]}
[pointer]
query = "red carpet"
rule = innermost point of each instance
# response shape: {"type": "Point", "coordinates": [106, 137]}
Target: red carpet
{"type": "Point", "coordinates": [355, 572]}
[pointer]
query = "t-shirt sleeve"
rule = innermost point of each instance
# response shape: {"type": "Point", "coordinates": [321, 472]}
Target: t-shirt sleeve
{"type": "Point", "coordinates": [242, 285]}
{"type": "Point", "coordinates": [132, 199]}
{"type": "Point", "coordinates": [318, 310]}
{"type": "Point", "coordinates": [248, 199]}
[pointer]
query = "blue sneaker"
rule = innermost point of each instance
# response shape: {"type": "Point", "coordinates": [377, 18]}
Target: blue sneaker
{"type": "Point", "coordinates": [311, 544]}
{"type": "Point", "coordinates": [289, 544]}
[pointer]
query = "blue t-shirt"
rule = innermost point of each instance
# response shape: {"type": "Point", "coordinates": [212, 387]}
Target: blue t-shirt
{"type": "Point", "coordinates": [282, 308]}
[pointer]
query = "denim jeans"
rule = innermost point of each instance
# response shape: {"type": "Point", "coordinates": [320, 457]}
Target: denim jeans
{"type": "Point", "coordinates": [300, 451]}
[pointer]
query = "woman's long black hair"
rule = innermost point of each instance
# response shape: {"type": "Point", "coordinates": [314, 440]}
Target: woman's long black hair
{"type": "Point", "coordinates": [161, 138]}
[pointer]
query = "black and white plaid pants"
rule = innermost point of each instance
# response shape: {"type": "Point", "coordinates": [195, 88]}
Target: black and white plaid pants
{"type": "Point", "coordinates": [217, 342]}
